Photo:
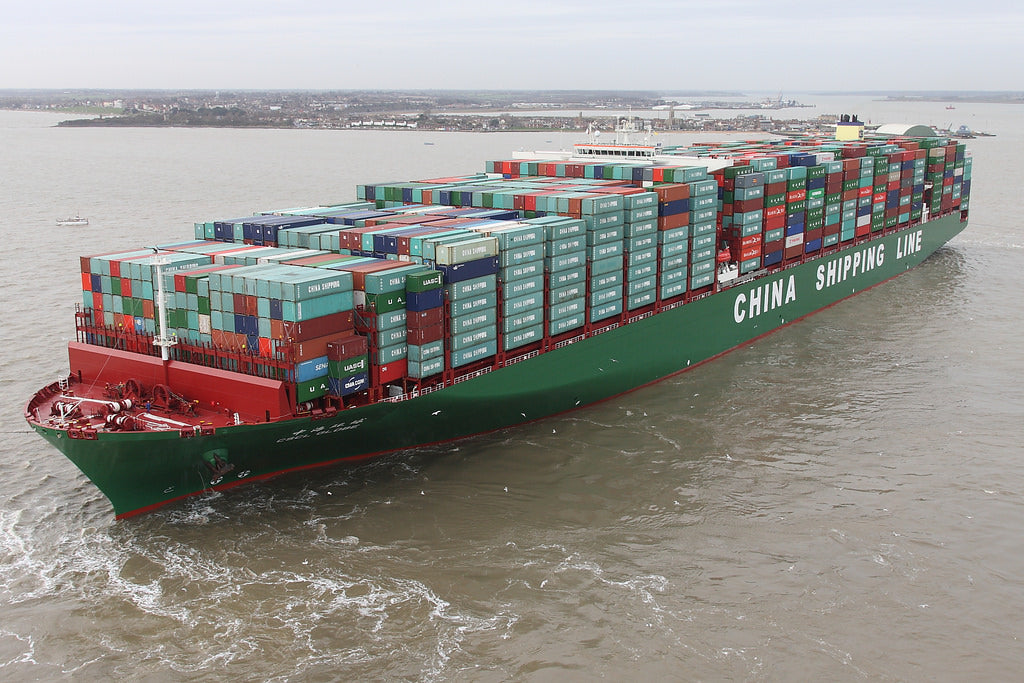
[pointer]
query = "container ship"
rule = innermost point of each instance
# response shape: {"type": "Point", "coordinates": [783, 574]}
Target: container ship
{"type": "Point", "coordinates": [433, 310]}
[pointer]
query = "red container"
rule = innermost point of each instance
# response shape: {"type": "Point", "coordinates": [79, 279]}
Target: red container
{"type": "Point", "coordinates": [393, 371]}
{"type": "Point", "coordinates": [416, 320]}
{"type": "Point", "coordinates": [672, 192]}
{"type": "Point", "coordinates": [777, 245]}
{"type": "Point", "coordinates": [674, 221]}
{"type": "Point", "coordinates": [425, 335]}
{"type": "Point", "coordinates": [773, 189]}
{"type": "Point", "coordinates": [750, 241]}
{"type": "Point", "coordinates": [862, 230]}
{"type": "Point", "coordinates": [314, 348]}
{"type": "Point", "coordinates": [344, 348]}
{"type": "Point", "coordinates": [336, 323]}
{"type": "Point", "coordinates": [745, 205]}
{"type": "Point", "coordinates": [793, 252]}
{"type": "Point", "coordinates": [796, 196]}
{"type": "Point", "coordinates": [812, 235]}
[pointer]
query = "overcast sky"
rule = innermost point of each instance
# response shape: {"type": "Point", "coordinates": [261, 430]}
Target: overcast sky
{"type": "Point", "coordinates": [767, 45]}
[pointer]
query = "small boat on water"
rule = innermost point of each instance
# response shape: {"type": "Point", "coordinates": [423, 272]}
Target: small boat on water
{"type": "Point", "coordinates": [73, 221]}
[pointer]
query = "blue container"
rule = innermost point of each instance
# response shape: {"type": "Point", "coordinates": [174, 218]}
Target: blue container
{"type": "Point", "coordinates": [794, 229]}
{"type": "Point", "coordinates": [422, 301]}
{"type": "Point", "coordinates": [773, 258]}
{"type": "Point", "coordinates": [813, 245]}
{"type": "Point", "coordinates": [470, 269]}
{"type": "Point", "coordinates": [673, 208]}
{"type": "Point", "coordinates": [311, 369]}
{"type": "Point", "coordinates": [276, 309]}
{"type": "Point", "coordinates": [353, 384]}
{"type": "Point", "coordinates": [795, 218]}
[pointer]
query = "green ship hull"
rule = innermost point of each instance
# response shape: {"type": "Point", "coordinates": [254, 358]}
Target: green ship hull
{"type": "Point", "coordinates": [142, 471]}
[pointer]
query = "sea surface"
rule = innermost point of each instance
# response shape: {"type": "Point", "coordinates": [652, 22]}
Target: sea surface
{"type": "Point", "coordinates": [841, 500]}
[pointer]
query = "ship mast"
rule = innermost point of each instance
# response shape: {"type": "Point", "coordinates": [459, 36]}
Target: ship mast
{"type": "Point", "coordinates": [162, 339]}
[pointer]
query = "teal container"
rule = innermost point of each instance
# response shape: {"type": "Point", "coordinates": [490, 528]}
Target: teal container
{"type": "Point", "coordinates": [522, 337]}
{"type": "Point", "coordinates": [519, 255]}
{"type": "Point", "coordinates": [604, 220]}
{"type": "Point", "coordinates": [473, 354]}
{"type": "Point", "coordinates": [673, 289]}
{"type": "Point", "coordinates": [641, 299]}
{"type": "Point", "coordinates": [567, 324]}
{"type": "Point", "coordinates": [566, 245]}
{"type": "Point", "coordinates": [702, 267]}
{"type": "Point", "coordinates": [560, 294]}
{"type": "Point", "coordinates": [565, 262]}
{"type": "Point", "coordinates": [636, 229]}
{"type": "Point", "coordinates": [635, 258]}
{"type": "Point", "coordinates": [681, 234]}
{"type": "Point", "coordinates": [518, 322]}
{"type": "Point", "coordinates": [389, 354]}
{"type": "Point", "coordinates": [517, 288]}
{"type": "Point", "coordinates": [482, 318]}
{"type": "Point", "coordinates": [567, 308]}
{"type": "Point", "coordinates": [675, 275]}
{"type": "Point", "coordinates": [471, 288]}
{"type": "Point", "coordinates": [674, 249]}
{"type": "Point", "coordinates": [565, 278]}
{"type": "Point", "coordinates": [605, 311]}
{"type": "Point", "coordinates": [606, 265]}
{"type": "Point", "coordinates": [641, 270]}
{"type": "Point", "coordinates": [474, 337]}
{"type": "Point", "coordinates": [605, 251]}
{"type": "Point", "coordinates": [603, 296]}
{"type": "Point", "coordinates": [420, 369]}
{"type": "Point", "coordinates": [471, 304]}
{"type": "Point", "coordinates": [521, 271]}
{"type": "Point", "coordinates": [605, 280]}
{"type": "Point", "coordinates": [702, 280]}
{"type": "Point", "coordinates": [422, 352]}
{"type": "Point", "coordinates": [646, 284]}
{"type": "Point", "coordinates": [523, 304]}
{"type": "Point", "coordinates": [392, 337]}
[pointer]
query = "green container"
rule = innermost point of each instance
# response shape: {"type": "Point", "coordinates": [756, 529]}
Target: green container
{"type": "Point", "coordinates": [344, 368]}
{"type": "Point", "coordinates": [385, 303]}
{"type": "Point", "coordinates": [424, 281]}
{"type": "Point", "coordinates": [309, 390]}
